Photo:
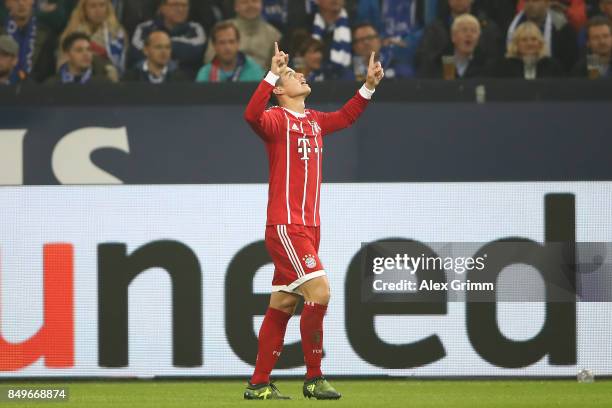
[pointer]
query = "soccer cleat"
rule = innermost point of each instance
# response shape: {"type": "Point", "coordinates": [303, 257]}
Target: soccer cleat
{"type": "Point", "coordinates": [263, 392]}
{"type": "Point", "coordinates": [320, 389]}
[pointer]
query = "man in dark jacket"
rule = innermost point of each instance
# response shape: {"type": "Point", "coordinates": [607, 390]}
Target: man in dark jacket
{"type": "Point", "coordinates": [158, 67]}
{"type": "Point", "coordinates": [81, 67]}
{"type": "Point", "coordinates": [467, 59]}
{"type": "Point", "coordinates": [599, 32]}
{"type": "Point", "coordinates": [188, 37]}
{"type": "Point", "coordinates": [437, 36]}
{"type": "Point", "coordinates": [36, 41]}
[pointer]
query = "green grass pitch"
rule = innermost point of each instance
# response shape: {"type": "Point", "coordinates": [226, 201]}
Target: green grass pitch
{"type": "Point", "coordinates": [356, 393]}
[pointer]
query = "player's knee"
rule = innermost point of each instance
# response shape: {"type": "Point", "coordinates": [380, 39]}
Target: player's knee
{"type": "Point", "coordinates": [324, 297]}
{"type": "Point", "coordinates": [320, 293]}
{"type": "Point", "coordinates": [289, 305]}
{"type": "Point", "coordinates": [284, 302]}
{"type": "Point", "coordinates": [287, 309]}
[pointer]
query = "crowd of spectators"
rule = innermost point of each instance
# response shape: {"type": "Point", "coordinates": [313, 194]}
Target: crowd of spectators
{"type": "Point", "coordinates": [159, 41]}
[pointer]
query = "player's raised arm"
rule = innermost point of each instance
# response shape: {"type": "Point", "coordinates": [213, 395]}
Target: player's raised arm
{"type": "Point", "coordinates": [348, 114]}
{"type": "Point", "coordinates": [255, 113]}
{"type": "Point", "coordinates": [375, 73]}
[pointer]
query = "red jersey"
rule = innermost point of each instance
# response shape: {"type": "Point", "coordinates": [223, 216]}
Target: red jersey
{"type": "Point", "coordinates": [294, 143]}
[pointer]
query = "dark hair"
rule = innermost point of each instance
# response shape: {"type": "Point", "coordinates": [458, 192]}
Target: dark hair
{"type": "Point", "coordinates": [363, 24]}
{"type": "Point", "coordinates": [309, 43]}
{"type": "Point", "coordinates": [598, 21]}
{"type": "Point", "coordinates": [223, 25]}
{"type": "Point", "coordinates": [147, 40]}
{"type": "Point", "coordinates": [72, 38]}
{"type": "Point", "coordinates": [162, 2]}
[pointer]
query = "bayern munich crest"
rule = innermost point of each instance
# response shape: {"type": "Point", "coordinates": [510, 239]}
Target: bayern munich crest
{"type": "Point", "coordinates": [310, 261]}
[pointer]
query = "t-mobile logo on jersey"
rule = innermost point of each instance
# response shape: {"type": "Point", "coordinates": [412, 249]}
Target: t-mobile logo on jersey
{"type": "Point", "coordinates": [304, 148]}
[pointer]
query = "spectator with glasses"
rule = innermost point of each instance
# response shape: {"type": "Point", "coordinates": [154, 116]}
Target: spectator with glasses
{"type": "Point", "coordinates": [367, 40]}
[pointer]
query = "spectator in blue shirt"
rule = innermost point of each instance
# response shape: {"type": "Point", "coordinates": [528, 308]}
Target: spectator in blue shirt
{"type": "Point", "coordinates": [367, 40]}
{"type": "Point", "coordinates": [437, 36]}
{"type": "Point", "coordinates": [399, 23]}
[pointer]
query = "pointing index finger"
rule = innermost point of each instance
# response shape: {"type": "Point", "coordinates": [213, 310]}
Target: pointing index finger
{"type": "Point", "coordinates": [276, 51]}
{"type": "Point", "coordinates": [372, 59]}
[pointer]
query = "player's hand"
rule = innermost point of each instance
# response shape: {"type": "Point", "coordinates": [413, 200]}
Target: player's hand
{"type": "Point", "coordinates": [375, 73]}
{"type": "Point", "coordinates": [279, 61]}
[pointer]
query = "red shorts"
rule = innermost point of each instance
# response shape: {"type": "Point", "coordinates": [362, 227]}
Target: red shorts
{"type": "Point", "coordinates": [294, 251]}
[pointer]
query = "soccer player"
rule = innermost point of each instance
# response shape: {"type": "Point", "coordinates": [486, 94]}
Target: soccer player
{"type": "Point", "coordinates": [294, 139]}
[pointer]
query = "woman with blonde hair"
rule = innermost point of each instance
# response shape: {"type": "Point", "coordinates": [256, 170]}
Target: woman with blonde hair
{"type": "Point", "coordinates": [98, 20]}
{"type": "Point", "coordinates": [528, 56]}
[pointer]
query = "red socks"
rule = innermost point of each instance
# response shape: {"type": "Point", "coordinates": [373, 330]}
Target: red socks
{"type": "Point", "coordinates": [271, 337]}
{"type": "Point", "coordinates": [311, 329]}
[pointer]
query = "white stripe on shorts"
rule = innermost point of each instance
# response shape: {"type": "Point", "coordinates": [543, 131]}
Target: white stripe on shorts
{"type": "Point", "coordinates": [295, 260]}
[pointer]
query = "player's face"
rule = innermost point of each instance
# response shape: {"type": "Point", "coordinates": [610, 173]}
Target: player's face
{"type": "Point", "coordinates": [294, 84]}
{"type": "Point", "coordinates": [465, 37]}
{"type": "Point", "coordinates": [600, 40]}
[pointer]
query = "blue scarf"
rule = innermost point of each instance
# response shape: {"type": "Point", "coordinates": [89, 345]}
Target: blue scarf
{"type": "Point", "coordinates": [399, 17]}
{"type": "Point", "coordinates": [340, 50]}
{"type": "Point", "coordinates": [115, 48]}
{"type": "Point", "coordinates": [118, 6]}
{"type": "Point", "coordinates": [26, 39]}
{"type": "Point", "coordinates": [234, 76]}
{"type": "Point", "coordinates": [315, 76]}
{"type": "Point", "coordinates": [68, 78]}
{"type": "Point", "coordinates": [275, 11]}
{"type": "Point", "coordinates": [394, 67]}
{"type": "Point", "coordinates": [311, 6]}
